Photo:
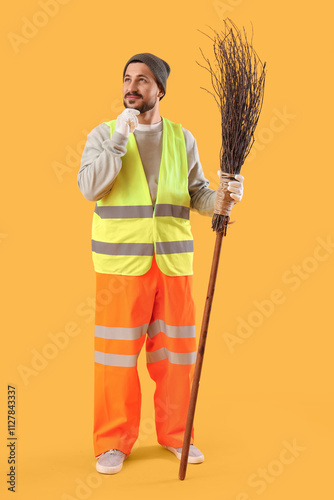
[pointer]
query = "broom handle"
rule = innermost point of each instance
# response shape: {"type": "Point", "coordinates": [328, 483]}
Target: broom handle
{"type": "Point", "coordinates": [200, 356]}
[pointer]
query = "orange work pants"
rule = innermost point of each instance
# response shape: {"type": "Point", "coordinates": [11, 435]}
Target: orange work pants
{"type": "Point", "coordinates": [128, 308]}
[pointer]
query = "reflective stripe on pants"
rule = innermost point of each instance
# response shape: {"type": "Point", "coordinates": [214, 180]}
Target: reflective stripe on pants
{"type": "Point", "coordinates": [128, 308]}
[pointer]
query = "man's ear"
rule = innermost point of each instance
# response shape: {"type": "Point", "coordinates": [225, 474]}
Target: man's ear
{"type": "Point", "coordinates": [161, 91]}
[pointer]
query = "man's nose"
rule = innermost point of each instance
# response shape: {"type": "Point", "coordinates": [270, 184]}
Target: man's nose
{"type": "Point", "coordinates": [132, 87]}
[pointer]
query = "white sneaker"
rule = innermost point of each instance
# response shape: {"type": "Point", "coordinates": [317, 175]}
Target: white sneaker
{"type": "Point", "coordinates": [110, 462]}
{"type": "Point", "coordinates": [195, 456]}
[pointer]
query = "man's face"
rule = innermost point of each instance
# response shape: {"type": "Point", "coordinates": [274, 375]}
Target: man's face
{"type": "Point", "coordinates": [140, 88]}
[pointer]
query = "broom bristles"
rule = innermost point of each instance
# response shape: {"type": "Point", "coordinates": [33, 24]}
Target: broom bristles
{"type": "Point", "coordinates": [238, 79]}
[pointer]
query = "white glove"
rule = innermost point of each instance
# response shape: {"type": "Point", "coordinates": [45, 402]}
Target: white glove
{"type": "Point", "coordinates": [236, 187]}
{"type": "Point", "coordinates": [127, 121]}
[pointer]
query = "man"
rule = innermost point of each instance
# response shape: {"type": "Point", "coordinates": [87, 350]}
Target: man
{"type": "Point", "coordinates": [144, 173]}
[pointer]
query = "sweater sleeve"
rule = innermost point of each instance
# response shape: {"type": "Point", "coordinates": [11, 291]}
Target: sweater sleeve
{"type": "Point", "coordinates": [100, 162]}
{"type": "Point", "coordinates": [203, 198]}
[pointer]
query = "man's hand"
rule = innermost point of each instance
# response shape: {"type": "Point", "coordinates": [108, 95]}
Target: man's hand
{"type": "Point", "coordinates": [127, 121]}
{"type": "Point", "coordinates": [236, 187]}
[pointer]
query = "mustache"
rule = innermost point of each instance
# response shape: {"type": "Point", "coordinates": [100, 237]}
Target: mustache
{"type": "Point", "coordinates": [134, 94]}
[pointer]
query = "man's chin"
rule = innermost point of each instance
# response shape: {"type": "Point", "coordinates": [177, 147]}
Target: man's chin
{"type": "Point", "coordinates": [133, 105]}
{"type": "Point", "coordinates": [142, 107]}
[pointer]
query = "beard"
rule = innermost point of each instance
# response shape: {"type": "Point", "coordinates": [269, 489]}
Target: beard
{"type": "Point", "coordinates": [144, 106]}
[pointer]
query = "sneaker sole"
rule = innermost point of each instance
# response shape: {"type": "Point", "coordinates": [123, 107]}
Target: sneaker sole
{"type": "Point", "coordinates": [103, 469]}
{"type": "Point", "coordinates": [191, 460]}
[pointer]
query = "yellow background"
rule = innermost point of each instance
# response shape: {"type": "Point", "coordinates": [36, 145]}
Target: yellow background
{"type": "Point", "coordinates": [259, 393]}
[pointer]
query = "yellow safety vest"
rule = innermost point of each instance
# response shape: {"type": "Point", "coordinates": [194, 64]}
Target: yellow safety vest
{"type": "Point", "coordinates": [127, 229]}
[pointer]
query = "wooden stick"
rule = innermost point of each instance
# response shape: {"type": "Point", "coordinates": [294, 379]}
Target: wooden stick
{"type": "Point", "coordinates": [200, 356]}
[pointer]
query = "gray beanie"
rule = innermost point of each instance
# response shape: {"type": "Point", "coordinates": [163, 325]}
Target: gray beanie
{"type": "Point", "coordinates": [158, 66]}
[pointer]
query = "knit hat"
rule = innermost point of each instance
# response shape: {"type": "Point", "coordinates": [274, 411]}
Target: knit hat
{"type": "Point", "coordinates": [158, 66]}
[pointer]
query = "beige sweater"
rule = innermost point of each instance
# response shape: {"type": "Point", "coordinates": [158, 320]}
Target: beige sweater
{"type": "Point", "coordinates": [102, 160]}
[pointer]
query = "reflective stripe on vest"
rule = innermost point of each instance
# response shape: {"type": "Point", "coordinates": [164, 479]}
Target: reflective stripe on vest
{"type": "Point", "coordinates": [127, 229]}
{"type": "Point", "coordinates": [133, 212]}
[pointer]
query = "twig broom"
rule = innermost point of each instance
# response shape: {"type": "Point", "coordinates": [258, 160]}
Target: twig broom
{"type": "Point", "coordinates": [238, 82]}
